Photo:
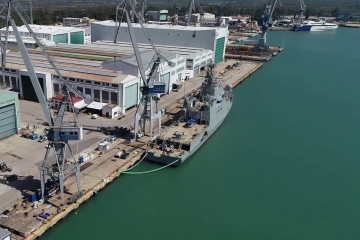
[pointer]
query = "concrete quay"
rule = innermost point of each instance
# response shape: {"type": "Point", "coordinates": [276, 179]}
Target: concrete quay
{"type": "Point", "coordinates": [96, 173]}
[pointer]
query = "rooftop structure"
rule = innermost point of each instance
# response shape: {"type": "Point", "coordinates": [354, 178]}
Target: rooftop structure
{"type": "Point", "coordinates": [109, 77]}
{"type": "Point", "coordinates": [76, 22]}
{"type": "Point", "coordinates": [48, 34]}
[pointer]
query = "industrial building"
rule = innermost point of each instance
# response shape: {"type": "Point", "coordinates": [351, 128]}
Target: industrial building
{"type": "Point", "coordinates": [9, 114]}
{"type": "Point", "coordinates": [48, 35]}
{"type": "Point", "coordinates": [97, 73]}
{"type": "Point", "coordinates": [76, 22]}
{"type": "Point", "coordinates": [210, 38]}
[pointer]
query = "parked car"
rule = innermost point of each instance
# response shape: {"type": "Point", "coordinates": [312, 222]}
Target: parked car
{"type": "Point", "coordinates": [94, 116]}
{"type": "Point", "coordinates": [120, 154]}
{"type": "Point", "coordinates": [42, 138]}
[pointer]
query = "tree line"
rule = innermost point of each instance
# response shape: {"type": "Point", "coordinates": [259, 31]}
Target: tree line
{"type": "Point", "coordinates": [50, 16]}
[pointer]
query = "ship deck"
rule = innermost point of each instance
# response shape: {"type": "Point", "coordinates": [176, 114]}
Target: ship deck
{"type": "Point", "coordinates": [188, 134]}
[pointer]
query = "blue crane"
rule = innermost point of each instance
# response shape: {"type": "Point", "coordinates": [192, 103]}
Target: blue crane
{"type": "Point", "coordinates": [265, 22]}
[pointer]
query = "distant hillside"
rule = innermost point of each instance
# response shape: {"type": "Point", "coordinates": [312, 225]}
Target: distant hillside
{"type": "Point", "coordinates": [324, 3]}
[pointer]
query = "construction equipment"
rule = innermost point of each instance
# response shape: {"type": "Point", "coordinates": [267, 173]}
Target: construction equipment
{"type": "Point", "coordinates": [5, 168]}
{"type": "Point", "coordinates": [60, 130]}
{"type": "Point", "coordinates": [265, 22]}
{"type": "Point", "coordinates": [152, 87]}
{"type": "Point", "coordinates": [302, 11]}
{"type": "Point", "coordinates": [142, 13]}
{"type": "Point", "coordinates": [192, 9]}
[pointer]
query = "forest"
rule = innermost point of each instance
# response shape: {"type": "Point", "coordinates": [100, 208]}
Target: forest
{"type": "Point", "coordinates": [49, 12]}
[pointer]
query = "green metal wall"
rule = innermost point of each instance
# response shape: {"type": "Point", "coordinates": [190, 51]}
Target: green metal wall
{"type": "Point", "coordinates": [60, 38]}
{"type": "Point", "coordinates": [7, 121]}
{"type": "Point", "coordinates": [219, 52]}
{"type": "Point", "coordinates": [131, 96]}
{"type": "Point", "coordinates": [28, 89]}
{"type": "Point", "coordinates": [9, 114]}
{"type": "Point", "coordinates": [77, 37]}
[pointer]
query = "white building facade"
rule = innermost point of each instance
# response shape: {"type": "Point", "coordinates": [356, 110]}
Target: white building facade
{"type": "Point", "coordinates": [211, 38]}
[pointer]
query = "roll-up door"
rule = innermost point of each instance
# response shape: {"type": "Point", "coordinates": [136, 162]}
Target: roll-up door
{"type": "Point", "coordinates": [219, 51]}
{"type": "Point", "coordinates": [61, 38]}
{"type": "Point", "coordinates": [7, 121]}
{"type": "Point", "coordinates": [77, 37]}
{"type": "Point", "coordinates": [166, 79]}
{"type": "Point", "coordinates": [28, 89]}
{"type": "Point", "coordinates": [131, 96]}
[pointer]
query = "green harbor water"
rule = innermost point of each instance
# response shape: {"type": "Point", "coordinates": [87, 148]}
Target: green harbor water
{"type": "Point", "coordinates": [284, 165]}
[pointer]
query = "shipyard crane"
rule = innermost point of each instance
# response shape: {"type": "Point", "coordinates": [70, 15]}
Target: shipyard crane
{"type": "Point", "coordinates": [176, 9]}
{"type": "Point", "coordinates": [59, 131]}
{"type": "Point", "coordinates": [142, 13]}
{"type": "Point", "coordinates": [151, 88]}
{"type": "Point", "coordinates": [192, 9]}
{"type": "Point", "coordinates": [265, 22]}
{"type": "Point", "coordinates": [302, 10]}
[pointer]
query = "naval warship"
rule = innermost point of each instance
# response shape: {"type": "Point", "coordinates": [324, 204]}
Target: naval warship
{"type": "Point", "coordinates": [200, 117]}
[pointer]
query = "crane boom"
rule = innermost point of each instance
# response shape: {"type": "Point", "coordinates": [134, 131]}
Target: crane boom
{"type": "Point", "coordinates": [190, 12]}
{"type": "Point", "coordinates": [58, 133]}
{"type": "Point", "coordinates": [265, 22]}
{"type": "Point", "coordinates": [69, 86]}
{"type": "Point", "coordinates": [32, 74]}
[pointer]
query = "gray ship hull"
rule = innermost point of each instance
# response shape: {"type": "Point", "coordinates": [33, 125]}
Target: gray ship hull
{"type": "Point", "coordinates": [218, 118]}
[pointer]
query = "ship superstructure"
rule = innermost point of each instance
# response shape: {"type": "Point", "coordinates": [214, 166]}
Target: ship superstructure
{"type": "Point", "coordinates": [201, 116]}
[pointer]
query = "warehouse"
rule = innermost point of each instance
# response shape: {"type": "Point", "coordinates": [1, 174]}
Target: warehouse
{"type": "Point", "coordinates": [48, 35]}
{"type": "Point", "coordinates": [210, 38]}
{"type": "Point", "coordinates": [168, 74]}
{"type": "Point", "coordinates": [107, 81]}
{"type": "Point", "coordinates": [9, 114]}
{"type": "Point", "coordinates": [196, 58]}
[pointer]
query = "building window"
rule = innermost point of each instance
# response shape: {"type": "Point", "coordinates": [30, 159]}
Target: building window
{"type": "Point", "coordinates": [106, 84]}
{"type": "Point", "coordinates": [7, 81]}
{"type": "Point", "coordinates": [105, 96]}
{"type": "Point", "coordinates": [115, 85]}
{"type": "Point", "coordinates": [72, 79]}
{"type": "Point", "coordinates": [96, 95]}
{"type": "Point", "coordinates": [56, 89]}
{"type": "Point", "coordinates": [80, 80]}
{"type": "Point", "coordinates": [180, 69]}
{"type": "Point", "coordinates": [88, 91]}
{"type": "Point", "coordinates": [80, 89]}
{"type": "Point", "coordinates": [179, 77]}
{"type": "Point", "coordinates": [172, 73]}
{"type": "Point", "coordinates": [96, 83]}
{"type": "Point", "coordinates": [180, 61]}
{"type": "Point", "coordinates": [13, 70]}
{"type": "Point", "coordinates": [114, 97]}
{"type": "Point", "coordinates": [87, 81]}
{"type": "Point", "coordinates": [1, 80]}
{"type": "Point", "coordinates": [14, 82]}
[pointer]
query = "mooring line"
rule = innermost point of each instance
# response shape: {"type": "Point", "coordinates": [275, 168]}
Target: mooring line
{"type": "Point", "coordinates": [150, 171]}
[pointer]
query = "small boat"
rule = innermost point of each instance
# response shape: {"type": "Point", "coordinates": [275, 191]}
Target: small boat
{"type": "Point", "coordinates": [317, 25]}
